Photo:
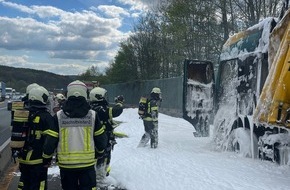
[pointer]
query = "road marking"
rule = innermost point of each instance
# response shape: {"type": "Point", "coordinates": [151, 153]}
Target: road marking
{"type": "Point", "coordinates": [3, 104]}
{"type": "Point", "coordinates": [4, 145]}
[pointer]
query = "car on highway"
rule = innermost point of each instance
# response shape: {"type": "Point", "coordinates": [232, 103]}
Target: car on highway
{"type": "Point", "coordinates": [15, 98]}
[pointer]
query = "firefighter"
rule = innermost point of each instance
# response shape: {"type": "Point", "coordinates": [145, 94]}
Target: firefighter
{"type": "Point", "coordinates": [150, 120]}
{"type": "Point", "coordinates": [33, 171]}
{"type": "Point", "coordinates": [106, 114]}
{"type": "Point", "coordinates": [78, 139]}
{"type": "Point", "coordinates": [58, 102]}
{"type": "Point", "coordinates": [28, 88]}
{"type": "Point", "coordinates": [24, 102]}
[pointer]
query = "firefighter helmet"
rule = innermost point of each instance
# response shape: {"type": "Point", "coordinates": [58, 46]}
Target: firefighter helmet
{"type": "Point", "coordinates": [31, 86]}
{"type": "Point", "coordinates": [60, 97]}
{"type": "Point", "coordinates": [77, 89]}
{"type": "Point", "coordinates": [97, 94]}
{"type": "Point", "coordinates": [38, 94]}
{"type": "Point", "coordinates": [156, 90]}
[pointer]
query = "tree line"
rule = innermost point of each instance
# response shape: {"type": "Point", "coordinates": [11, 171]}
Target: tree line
{"type": "Point", "coordinates": [181, 29]}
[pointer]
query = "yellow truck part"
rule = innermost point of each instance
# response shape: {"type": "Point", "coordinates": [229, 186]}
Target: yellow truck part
{"type": "Point", "coordinates": [275, 97]}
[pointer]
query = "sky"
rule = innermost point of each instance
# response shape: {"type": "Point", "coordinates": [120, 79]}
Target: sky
{"type": "Point", "coordinates": [183, 161]}
{"type": "Point", "coordinates": [66, 36]}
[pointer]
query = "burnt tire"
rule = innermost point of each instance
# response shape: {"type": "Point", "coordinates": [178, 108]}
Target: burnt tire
{"type": "Point", "coordinates": [240, 142]}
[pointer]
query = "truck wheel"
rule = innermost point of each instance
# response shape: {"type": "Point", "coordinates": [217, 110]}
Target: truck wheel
{"type": "Point", "coordinates": [277, 158]}
{"type": "Point", "coordinates": [240, 141]}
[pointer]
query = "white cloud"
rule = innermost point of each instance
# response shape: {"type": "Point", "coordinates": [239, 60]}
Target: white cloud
{"type": "Point", "coordinates": [136, 4]}
{"type": "Point", "coordinates": [69, 35]}
{"type": "Point", "coordinates": [142, 5]}
{"type": "Point", "coordinates": [71, 54]}
{"type": "Point", "coordinates": [13, 60]}
{"type": "Point", "coordinates": [112, 11]}
{"type": "Point", "coordinates": [63, 38]}
{"type": "Point", "coordinates": [136, 15]}
{"type": "Point", "coordinates": [47, 11]}
{"type": "Point", "coordinates": [66, 68]}
{"type": "Point", "coordinates": [17, 6]}
{"type": "Point", "coordinates": [73, 31]}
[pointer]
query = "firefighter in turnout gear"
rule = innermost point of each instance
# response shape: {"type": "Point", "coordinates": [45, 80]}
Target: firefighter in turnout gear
{"type": "Point", "coordinates": [19, 123]}
{"type": "Point", "coordinates": [28, 88]}
{"type": "Point", "coordinates": [24, 101]}
{"type": "Point", "coordinates": [36, 121]}
{"type": "Point", "coordinates": [150, 119]}
{"type": "Point", "coordinates": [106, 114]}
{"type": "Point", "coordinates": [78, 139]}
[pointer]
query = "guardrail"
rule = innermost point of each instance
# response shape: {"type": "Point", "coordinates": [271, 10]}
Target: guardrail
{"type": "Point", "coordinates": [5, 156]}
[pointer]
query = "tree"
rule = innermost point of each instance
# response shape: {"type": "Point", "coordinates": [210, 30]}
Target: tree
{"type": "Point", "coordinates": [195, 30]}
{"type": "Point", "coordinates": [124, 67]}
{"type": "Point", "coordinates": [184, 29]}
{"type": "Point", "coordinates": [146, 43]}
{"type": "Point", "coordinates": [93, 74]}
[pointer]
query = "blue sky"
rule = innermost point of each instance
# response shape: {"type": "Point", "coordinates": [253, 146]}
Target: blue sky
{"type": "Point", "coordinates": [65, 36]}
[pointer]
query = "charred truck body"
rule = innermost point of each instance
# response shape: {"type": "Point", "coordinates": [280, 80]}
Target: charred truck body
{"type": "Point", "coordinates": [251, 94]}
{"type": "Point", "coordinates": [198, 95]}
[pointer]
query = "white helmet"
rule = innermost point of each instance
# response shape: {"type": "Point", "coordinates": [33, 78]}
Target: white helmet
{"type": "Point", "coordinates": [38, 94]}
{"type": "Point", "coordinates": [31, 86]}
{"type": "Point", "coordinates": [156, 90]}
{"type": "Point", "coordinates": [77, 88]}
{"type": "Point", "coordinates": [97, 94]}
{"type": "Point", "coordinates": [59, 97]}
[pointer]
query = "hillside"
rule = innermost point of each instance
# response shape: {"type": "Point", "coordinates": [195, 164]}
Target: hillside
{"type": "Point", "coordinates": [19, 78]}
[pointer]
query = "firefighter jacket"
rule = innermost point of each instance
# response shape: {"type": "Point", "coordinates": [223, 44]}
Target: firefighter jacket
{"type": "Point", "coordinates": [106, 113]}
{"type": "Point", "coordinates": [39, 121]}
{"type": "Point", "coordinates": [77, 135]}
{"type": "Point", "coordinates": [152, 110]}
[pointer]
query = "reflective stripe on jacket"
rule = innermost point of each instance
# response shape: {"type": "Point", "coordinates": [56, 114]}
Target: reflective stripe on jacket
{"type": "Point", "coordinates": [76, 147]}
{"type": "Point", "coordinates": [31, 153]}
{"type": "Point", "coordinates": [152, 111]}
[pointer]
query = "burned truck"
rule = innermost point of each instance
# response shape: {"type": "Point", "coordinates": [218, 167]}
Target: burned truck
{"type": "Point", "coordinates": [249, 97]}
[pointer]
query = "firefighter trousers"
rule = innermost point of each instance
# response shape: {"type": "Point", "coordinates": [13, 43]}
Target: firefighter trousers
{"type": "Point", "coordinates": [33, 177]}
{"type": "Point", "coordinates": [78, 179]}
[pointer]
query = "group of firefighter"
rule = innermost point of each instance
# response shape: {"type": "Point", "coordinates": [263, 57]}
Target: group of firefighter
{"type": "Point", "coordinates": [77, 132]}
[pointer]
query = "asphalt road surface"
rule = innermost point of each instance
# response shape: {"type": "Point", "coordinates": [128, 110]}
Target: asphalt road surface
{"type": "Point", "coordinates": [5, 120]}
